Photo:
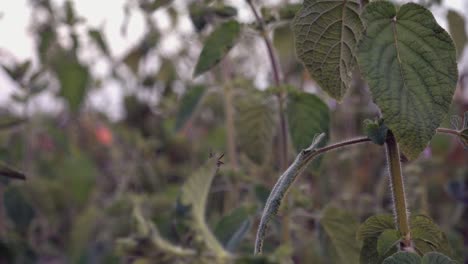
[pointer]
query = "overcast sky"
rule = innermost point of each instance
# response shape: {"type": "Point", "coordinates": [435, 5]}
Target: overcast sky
{"type": "Point", "coordinates": [16, 41]}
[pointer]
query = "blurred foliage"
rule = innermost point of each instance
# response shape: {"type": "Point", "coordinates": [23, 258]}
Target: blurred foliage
{"type": "Point", "coordinates": [164, 184]}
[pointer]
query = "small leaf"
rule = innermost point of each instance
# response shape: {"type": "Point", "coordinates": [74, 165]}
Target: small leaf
{"type": "Point", "coordinates": [97, 37]}
{"type": "Point", "coordinates": [307, 116]}
{"type": "Point", "coordinates": [195, 194]}
{"type": "Point", "coordinates": [151, 5]}
{"type": "Point", "coordinates": [427, 235]}
{"type": "Point", "coordinates": [216, 46]}
{"type": "Point", "coordinates": [225, 11]}
{"type": "Point", "coordinates": [403, 258]}
{"type": "Point", "coordinates": [73, 77]}
{"type": "Point", "coordinates": [409, 63]}
{"type": "Point", "coordinates": [255, 123]}
{"type": "Point", "coordinates": [288, 11]}
{"type": "Point", "coordinates": [376, 131]}
{"type": "Point", "coordinates": [436, 258]}
{"type": "Point", "coordinates": [456, 23]}
{"type": "Point", "coordinates": [387, 241]}
{"type": "Point", "coordinates": [18, 208]}
{"type": "Point", "coordinates": [326, 34]}
{"type": "Point", "coordinates": [375, 225]}
{"type": "Point", "coordinates": [188, 105]}
{"type": "Point", "coordinates": [341, 227]}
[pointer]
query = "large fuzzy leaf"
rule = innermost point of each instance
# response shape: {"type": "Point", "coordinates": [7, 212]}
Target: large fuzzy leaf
{"type": "Point", "coordinates": [326, 33]}
{"type": "Point", "coordinates": [216, 46]}
{"type": "Point", "coordinates": [409, 63]}
{"type": "Point", "coordinates": [341, 227]}
{"type": "Point", "coordinates": [412, 258]}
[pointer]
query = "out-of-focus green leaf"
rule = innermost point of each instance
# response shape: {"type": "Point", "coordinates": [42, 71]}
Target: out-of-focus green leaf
{"type": "Point", "coordinates": [195, 194]}
{"type": "Point", "coordinates": [456, 23]}
{"type": "Point", "coordinates": [288, 11]}
{"type": "Point", "coordinates": [151, 5]}
{"type": "Point", "coordinates": [188, 105]}
{"type": "Point", "coordinates": [74, 79]}
{"type": "Point", "coordinates": [18, 208]}
{"type": "Point", "coordinates": [18, 72]}
{"type": "Point", "coordinates": [224, 11]}
{"type": "Point", "coordinates": [376, 131]}
{"type": "Point", "coordinates": [307, 116]}
{"type": "Point", "coordinates": [82, 231]}
{"type": "Point", "coordinates": [78, 174]}
{"type": "Point", "coordinates": [326, 34]}
{"type": "Point", "coordinates": [231, 228]}
{"type": "Point", "coordinates": [97, 37]}
{"type": "Point", "coordinates": [255, 125]}
{"type": "Point", "coordinates": [409, 48]}
{"type": "Point", "coordinates": [341, 227]}
{"type": "Point", "coordinates": [217, 45]}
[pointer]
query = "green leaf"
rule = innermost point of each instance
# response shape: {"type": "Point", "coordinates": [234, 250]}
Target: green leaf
{"type": "Point", "coordinates": [188, 105]}
{"type": "Point", "coordinates": [436, 258]}
{"type": "Point", "coordinates": [78, 173]}
{"type": "Point", "coordinates": [456, 23]}
{"type": "Point", "coordinates": [341, 227]}
{"type": "Point", "coordinates": [82, 231]}
{"type": "Point", "coordinates": [370, 233]}
{"type": "Point", "coordinates": [375, 225]}
{"type": "Point", "coordinates": [427, 236]}
{"type": "Point", "coordinates": [387, 241]}
{"type": "Point", "coordinates": [73, 77]}
{"type": "Point", "coordinates": [288, 11]}
{"type": "Point", "coordinates": [97, 37]}
{"type": "Point", "coordinates": [326, 34]}
{"type": "Point", "coordinates": [307, 116]}
{"type": "Point", "coordinates": [195, 194]}
{"type": "Point", "coordinates": [403, 258]}
{"type": "Point", "coordinates": [376, 131]}
{"type": "Point", "coordinates": [216, 46]}
{"type": "Point", "coordinates": [18, 208]}
{"type": "Point", "coordinates": [409, 63]}
{"type": "Point", "coordinates": [255, 123]}
{"type": "Point", "coordinates": [232, 227]}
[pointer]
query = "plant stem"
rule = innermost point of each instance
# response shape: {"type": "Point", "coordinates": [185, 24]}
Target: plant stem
{"type": "Point", "coordinates": [448, 131]}
{"type": "Point", "coordinates": [288, 177]}
{"type": "Point", "coordinates": [283, 129]}
{"type": "Point", "coordinates": [229, 115]}
{"type": "Point", "coordinates": [398, 189]}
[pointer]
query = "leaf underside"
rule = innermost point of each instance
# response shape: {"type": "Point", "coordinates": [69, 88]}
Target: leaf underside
{"type": "Point", "coordinates": [326, 35]}
{"type": "Point", "coordinates": [409, 63]}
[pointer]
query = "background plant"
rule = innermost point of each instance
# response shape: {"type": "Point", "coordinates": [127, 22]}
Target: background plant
{"type": "Point", "coordinates": [156, 185]}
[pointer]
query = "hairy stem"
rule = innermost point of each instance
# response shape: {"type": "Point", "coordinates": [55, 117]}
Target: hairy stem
{"type": "Point", "coordinates": [398, 189]}
{"type": "Point", "coordinates": [283, 133]}
{"type": "Point", "coordinates": [288, 177]}
{"type": "Point", "coordinates": [448, 131]}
